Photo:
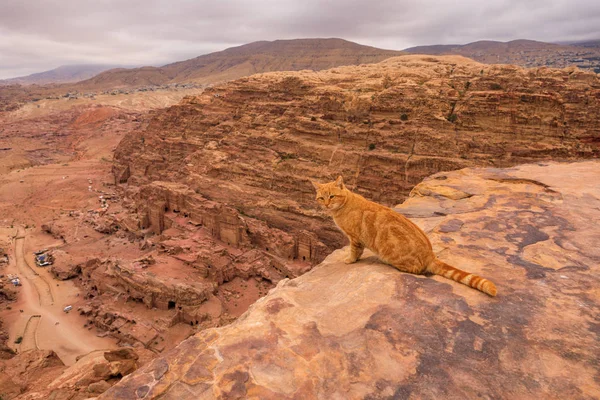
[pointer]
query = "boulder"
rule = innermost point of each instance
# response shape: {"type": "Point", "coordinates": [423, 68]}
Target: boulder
{"type": "Point", "coordinates": [367, 330]}
{"type": "Point", "coordinates": [98, 387]}
{"type": "Point", "coordinates": [124, 353]}
{"type": "Point", "coordinates": [114, 369]}
{"type": "Point", "coordinates": [28, 371]}
{"type": "Point", "coordinates": [79, 375]}
{"type": "Point", "coordinates": [66, 266]}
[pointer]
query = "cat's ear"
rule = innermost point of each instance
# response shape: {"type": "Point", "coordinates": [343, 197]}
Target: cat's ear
{"type": "Point", "coordinates": [317, 185]}
{"type": "Point", "coordinates": [339, 182]}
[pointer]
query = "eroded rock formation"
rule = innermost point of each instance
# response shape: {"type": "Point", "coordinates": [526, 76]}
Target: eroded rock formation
{"type": "Point", "coordinates": [369, 331]}
{"type": "Point", "coordinates": [32, 368]}
{"type": "Point", "coordinates": [241, 154]}
{"type": "Point", "coordinates": [38, 374]}
{"type": "Point", "coordinates": [186, 276]}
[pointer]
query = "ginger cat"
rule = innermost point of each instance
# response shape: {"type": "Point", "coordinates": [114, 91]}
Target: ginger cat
{"type": "Point", "coordinates": [396, 240]}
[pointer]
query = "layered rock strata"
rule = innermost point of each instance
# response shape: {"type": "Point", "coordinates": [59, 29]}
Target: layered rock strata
{"type": "Point", "coordinates": [245, 151]}
{"type": "Point", "coordinates": [367, 330]}
{"type": "Point", "coordinates": [186, 276]}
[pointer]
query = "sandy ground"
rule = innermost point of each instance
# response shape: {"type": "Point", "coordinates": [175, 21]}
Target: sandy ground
{"type": "Point", "coordinates": [140, 101]}
{"type": "Point", "coordinates": [42, 322]}
{"type": "Point", "coordinates": [33, 195]}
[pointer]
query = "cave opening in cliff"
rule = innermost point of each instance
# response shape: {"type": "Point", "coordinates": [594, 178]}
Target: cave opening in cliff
{"type": "Point", "coordinates": [171, 305]}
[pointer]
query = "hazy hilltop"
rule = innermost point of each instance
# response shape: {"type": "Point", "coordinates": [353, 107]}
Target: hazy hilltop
{"type": "Point", "coordinates": [62, 74]}
{"type": "Point", "coordinates": [595, 44]}
{"type": "Point", "coordinates": [256, 57]}
{"type": "Point", "coordinates": [288, 55]}
{"type": "Point", "coordinates": [526, 53]}
{"type": "Point", "coordinates": [229, 64]}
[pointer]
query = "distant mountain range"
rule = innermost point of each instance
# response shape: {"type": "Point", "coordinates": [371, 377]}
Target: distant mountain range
{"type": "Point", "coordinates": [587, 43]}
{"type": "Point", "coordinates": [313, 54]}
{"type": "Point", "coordinates": [527, 53]}
{"type": "Point", "coordinates": [63, 74]}
{"type": "Point", "coordinates": [235, 62]}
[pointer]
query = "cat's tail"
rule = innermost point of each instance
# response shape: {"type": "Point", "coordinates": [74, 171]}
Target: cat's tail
{"type": "Point", "coordinates": [447, 271]}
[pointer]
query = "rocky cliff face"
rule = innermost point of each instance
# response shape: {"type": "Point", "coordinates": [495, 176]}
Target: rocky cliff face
{"type": "Point", "coordinates": [239, 157]}
{"type": "Point", "coordinates": [368, 331]}
{"type": "Point", "coordinates": [199, 270]}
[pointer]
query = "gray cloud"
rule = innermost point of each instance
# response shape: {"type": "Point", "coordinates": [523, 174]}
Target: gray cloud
{"type": "Point", "coordinates": [41, 35]}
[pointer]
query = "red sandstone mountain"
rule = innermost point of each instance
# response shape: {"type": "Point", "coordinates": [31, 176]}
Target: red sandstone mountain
{"type": "Point", "coordinates": [241, 154]}
{"type": "Point", "coordinates": [527, 53]}
{"type": "Point", "coordinates": [235, 62]}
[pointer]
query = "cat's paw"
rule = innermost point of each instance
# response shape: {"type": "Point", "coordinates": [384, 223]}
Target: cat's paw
{"type": "Point", "coordinates": [350, 260]}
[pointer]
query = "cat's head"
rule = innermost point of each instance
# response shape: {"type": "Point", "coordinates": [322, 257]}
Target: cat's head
{"type": "Point", "coordinates": [331, 195]}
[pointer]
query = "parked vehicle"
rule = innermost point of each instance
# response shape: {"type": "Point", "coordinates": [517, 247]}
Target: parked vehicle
{"type": "Point", "coordinates": [43, 259]}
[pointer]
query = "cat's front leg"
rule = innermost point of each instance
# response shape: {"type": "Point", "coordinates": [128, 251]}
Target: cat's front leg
{"type": "Point", "coordinates": [356, 250]}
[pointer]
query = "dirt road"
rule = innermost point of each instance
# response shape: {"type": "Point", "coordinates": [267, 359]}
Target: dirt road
{"type": "Point", "coordinates": [41, 285]}
{"type": "Point", "coordinates": [29, 341]}
{"type": "Point", "coordinates": [43, 324]}
{"type": "Point", "coordinates": [58, 147]}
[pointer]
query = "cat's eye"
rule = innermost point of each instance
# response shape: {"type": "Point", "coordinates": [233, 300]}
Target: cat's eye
{"type": "Point", "coordinates": [320, 198]}
{"type": "Point", "coordinates": [332, 196]}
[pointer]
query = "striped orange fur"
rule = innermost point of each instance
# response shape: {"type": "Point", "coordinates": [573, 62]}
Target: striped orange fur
{"type": "Point", "coordinates": [395, 239]}
{"type": "Point", "coordinates": [448, 271]}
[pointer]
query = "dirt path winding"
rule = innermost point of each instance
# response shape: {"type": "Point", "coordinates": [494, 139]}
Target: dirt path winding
{"type": "Point", "coordinates": [29, 341]}
{"type": "Point", "coordinates": [41, 285]}
{"type": "Point", "coordinates": [47, 326]}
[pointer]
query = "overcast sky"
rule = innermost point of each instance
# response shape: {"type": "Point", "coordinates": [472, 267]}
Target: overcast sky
{"type": "Point", "coordinates": [38, 35]}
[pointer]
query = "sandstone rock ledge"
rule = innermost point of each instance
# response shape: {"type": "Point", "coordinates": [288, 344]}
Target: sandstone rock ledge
{"type": "Point", "coordinates": [368, 331]}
